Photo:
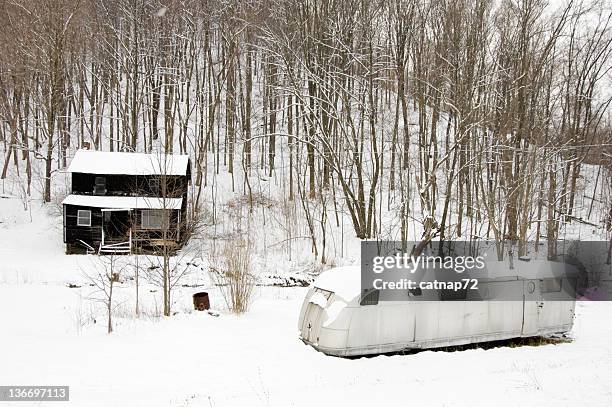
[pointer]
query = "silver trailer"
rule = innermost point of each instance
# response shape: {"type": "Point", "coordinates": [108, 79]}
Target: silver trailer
{"type": "Point", "coordinates": [337, 319]}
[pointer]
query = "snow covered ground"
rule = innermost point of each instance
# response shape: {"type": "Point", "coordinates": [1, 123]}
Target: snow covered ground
{"type": "Point", "coordinates": [48, 336]}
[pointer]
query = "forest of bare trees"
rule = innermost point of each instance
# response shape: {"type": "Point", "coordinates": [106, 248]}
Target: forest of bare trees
{"type": "Point", "coordinates": [470, 118]}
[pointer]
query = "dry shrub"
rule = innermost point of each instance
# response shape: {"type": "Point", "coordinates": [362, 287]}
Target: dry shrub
{"type": "Point", "coordinates": [232, 273]}
{"type": "Point", "coordinates": [256, 199]}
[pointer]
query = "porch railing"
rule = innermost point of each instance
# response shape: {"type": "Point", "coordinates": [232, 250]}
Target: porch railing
{"type": "Point", "coordinates": [120, 247]}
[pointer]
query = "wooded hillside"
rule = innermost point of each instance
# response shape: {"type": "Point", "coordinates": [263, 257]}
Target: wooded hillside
{"type": "Point", "coordinates": [472, 118]}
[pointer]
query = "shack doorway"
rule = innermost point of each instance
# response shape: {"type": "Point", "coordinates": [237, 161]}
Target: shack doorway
{"type": "Point", "coordinates": [116, 225]}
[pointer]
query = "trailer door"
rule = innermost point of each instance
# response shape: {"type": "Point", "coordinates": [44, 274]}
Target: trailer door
{"type": "Point", "coordinates": [312, 317]}
{"type": "Point", "coordinates": [310, 328]}
{"type": "Point", "coordinates": [532, 304]}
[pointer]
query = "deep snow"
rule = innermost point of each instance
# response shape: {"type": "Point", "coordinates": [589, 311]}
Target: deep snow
{"type": "Point", "coordinates": [48, 336]}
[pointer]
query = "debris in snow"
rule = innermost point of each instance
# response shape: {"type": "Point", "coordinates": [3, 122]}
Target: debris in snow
{"type": "Point", "coordinates": [193, 285]}
{"type": "Point", "coordinates": [285, 281]}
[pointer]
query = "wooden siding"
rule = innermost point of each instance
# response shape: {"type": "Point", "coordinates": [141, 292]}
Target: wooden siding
{"type": "Point", "coordinates": [90, 234]}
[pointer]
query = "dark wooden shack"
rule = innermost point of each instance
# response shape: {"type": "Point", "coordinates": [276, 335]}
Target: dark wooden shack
{"type": "Point", "coordinates": [126, 202]}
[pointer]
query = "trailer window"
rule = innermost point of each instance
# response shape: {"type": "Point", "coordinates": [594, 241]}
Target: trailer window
{"type": "Point", "coordinates": [452, 295]}
{"type": "Point", "coordinates": [550, 285]}
{"type": "Point", "coordinates": [83, 218]}
{"type": "Point", "coordinates": [325, 293]}
{"type": "Point", "coordinates": [370, 298]}
{"type": "Point", "coordinates": [416, 292]}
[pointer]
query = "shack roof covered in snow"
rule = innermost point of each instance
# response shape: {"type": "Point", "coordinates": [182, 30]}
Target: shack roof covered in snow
{"type": "Point", "coordinates": [123, 202]}
{"type": "Point", "coordinates": [119, 163]}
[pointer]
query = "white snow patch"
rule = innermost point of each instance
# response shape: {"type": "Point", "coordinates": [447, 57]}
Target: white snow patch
{"type": "Point", "coordinates": [345, 282]}
{"type": "Point", "coordinates": [318, 299]}
{"type": "Point", "coordinates": [104, 162]}
{"type": "Point", "coordinates": [333, 311]}
{"type": "Point", "coordinates": [123, 202]}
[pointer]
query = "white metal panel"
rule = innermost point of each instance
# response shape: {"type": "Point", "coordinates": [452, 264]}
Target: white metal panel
{"type": "Point", "coordinates": [332, 338]}
{"type": "Point", "coordinates": [397, 325]}
{"type": "Point", "coordinates": [427, 321]}
{"type": "Point", "coordinates": [365, 326]}
{"type": "Point", "coordinates": [555, 314]}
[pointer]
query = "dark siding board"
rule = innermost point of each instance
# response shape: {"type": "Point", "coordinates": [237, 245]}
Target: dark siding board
{"type": "Point", "coordinates": [93, 234]}
{"type": "Point", "coordinates": [72, 213]}
{"type": "Point", "coordinates": [135, 185]}
{"type": "Point", "coordinates": [89, 234]}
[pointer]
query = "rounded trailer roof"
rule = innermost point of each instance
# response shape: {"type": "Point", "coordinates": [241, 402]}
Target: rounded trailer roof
{"type": "Point", "coordinates": [346, 281]}
{"type": "Point", "coordinates": [342, 281]}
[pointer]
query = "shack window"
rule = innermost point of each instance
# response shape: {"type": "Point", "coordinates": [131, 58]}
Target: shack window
{"type": "Point", "coordinates": [550, 285]}
{"type": "Point", "coordinates": [370, 298]}
{"type": "Point", "coordinates": [83, 218]}
{"type": "Point", "coordinates": [100, 186]}
{"type": "Point", "coordinates": [153, 219]}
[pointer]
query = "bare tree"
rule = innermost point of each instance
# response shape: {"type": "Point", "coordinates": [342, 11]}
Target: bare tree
{"type": "Point", "coordinates": [103, 275]}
